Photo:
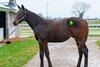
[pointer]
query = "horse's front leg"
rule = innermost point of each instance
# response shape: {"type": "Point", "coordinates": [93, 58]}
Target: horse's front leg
{"type": "Point", "coordinates": [44, 49]}
{"type": "Point", "coordinates": [47, 55]}
{"type": "Point", "coordinates": [41, 47]}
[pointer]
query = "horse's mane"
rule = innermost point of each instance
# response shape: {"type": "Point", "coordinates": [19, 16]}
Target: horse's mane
{"type": "Point", "coordinates": [36, 16]}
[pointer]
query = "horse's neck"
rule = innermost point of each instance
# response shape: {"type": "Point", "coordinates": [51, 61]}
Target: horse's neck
{"type": "Point", "coordinates": [33, 20]}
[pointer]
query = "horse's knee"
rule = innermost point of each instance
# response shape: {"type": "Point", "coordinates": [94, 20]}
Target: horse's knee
{"type": "Point", "coordinates": [41, 55]}
{"type": "Point", "coordinates": [47, 53]}
{"type": "Point", "coordinates": [48, 58]}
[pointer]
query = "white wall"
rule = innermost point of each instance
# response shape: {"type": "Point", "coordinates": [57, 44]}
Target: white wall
{"type": "Point", "coordinates": [1, 34]}
{"type": "Point", "coordinates": [9, 20]}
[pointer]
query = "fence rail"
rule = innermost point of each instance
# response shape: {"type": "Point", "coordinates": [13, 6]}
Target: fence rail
{"type": "Point", "coordinates": [94, 25]}
{"type": "Point", "coordinates": [25, 30]}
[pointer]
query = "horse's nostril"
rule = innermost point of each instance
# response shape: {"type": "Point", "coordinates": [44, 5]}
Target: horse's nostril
{"type": "Point", "coordinates": [14, 23]}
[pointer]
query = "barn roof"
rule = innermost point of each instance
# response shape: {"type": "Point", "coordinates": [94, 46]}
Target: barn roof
{"type": "Point", "coordinates": [8, 6]}
{"type": "Point", "coordinates": [4, 8]}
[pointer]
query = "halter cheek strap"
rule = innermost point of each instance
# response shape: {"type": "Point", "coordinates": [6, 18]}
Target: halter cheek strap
{"type": "Point", "coordinates": [23, 16]}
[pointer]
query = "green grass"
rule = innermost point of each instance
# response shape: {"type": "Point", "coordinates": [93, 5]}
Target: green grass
{"type": "Point", "coordinates": [94, 35]}
{"type": "Point", "coordinates": [94, 22]}
{"type": "Point", "coordinates": [98, 43]}
{"type": "Point", "coordinates": [24, 22]}
{"type": "Point", "coordinates": [25, 28]}
{"type": "Point", "coordinates": [17, 54]}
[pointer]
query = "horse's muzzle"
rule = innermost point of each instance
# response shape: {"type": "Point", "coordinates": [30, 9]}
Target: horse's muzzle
{"type": "Point", "coordinates": [15, 24]}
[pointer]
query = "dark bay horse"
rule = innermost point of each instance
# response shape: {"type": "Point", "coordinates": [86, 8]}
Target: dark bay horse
{"type": "Point", "coordinates": [55, 31]}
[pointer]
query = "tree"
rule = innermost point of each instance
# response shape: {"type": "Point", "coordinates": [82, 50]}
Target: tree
{"type": "Point", "coordinates": [80, 8]}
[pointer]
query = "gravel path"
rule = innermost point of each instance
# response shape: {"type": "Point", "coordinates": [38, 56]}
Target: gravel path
{"type": "Point", "coordinates": [66, 55]}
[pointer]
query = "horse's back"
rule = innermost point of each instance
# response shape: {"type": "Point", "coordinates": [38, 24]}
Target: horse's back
{"type": "Point", "coordinates": [80, 28]}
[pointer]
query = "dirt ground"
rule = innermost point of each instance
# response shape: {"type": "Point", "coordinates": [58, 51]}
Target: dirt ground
{"type": "Point", "coordinates": [66, 55]}
{"type": "Point", "coordinates": [14, 39]}
{"type": "Point", "coordinates": [10, 40]}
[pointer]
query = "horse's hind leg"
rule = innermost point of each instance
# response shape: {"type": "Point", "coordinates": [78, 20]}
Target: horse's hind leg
{"type": "Point", "coordinates": [82, 49]}
{"type": "Point", "coordinates": [80, 54]}
{"type": "Point", "coordinates": [85, 51]}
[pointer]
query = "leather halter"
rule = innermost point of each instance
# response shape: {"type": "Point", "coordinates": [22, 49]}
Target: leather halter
{"type": "Point", "coordinates": [23, 17]}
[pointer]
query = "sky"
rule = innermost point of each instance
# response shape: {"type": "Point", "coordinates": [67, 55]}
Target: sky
{"type": "Point", "coordinates": [59, 8]}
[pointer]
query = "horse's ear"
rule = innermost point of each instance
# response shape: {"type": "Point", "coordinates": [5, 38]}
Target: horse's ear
{"type": "Point", "coordinates": [23, 7]}
{"type": "Point", "coordinates": [18, 6]}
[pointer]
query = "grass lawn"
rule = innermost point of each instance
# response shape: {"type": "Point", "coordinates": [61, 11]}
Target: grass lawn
{"type": "Point", "coordinates": [94, 35]}
{"type": "Point", "coordinates": [98, 43]}
{"type": "Point", "coordinates": [94, 22]}
{"type": "Point", "coordinates": [25, 28]}
{"type": "Point", "coordinates": [17, 54]}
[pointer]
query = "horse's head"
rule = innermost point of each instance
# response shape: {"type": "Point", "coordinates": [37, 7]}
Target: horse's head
{"type": "Point", "coordinates": [21, 14]}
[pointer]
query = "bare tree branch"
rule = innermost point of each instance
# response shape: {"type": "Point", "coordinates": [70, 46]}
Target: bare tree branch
{"type": "Point", "coordinates": [80, 8]}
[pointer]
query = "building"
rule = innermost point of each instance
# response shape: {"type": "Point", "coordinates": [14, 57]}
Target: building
{"type": "Point", "coordinates": [7, 14]}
